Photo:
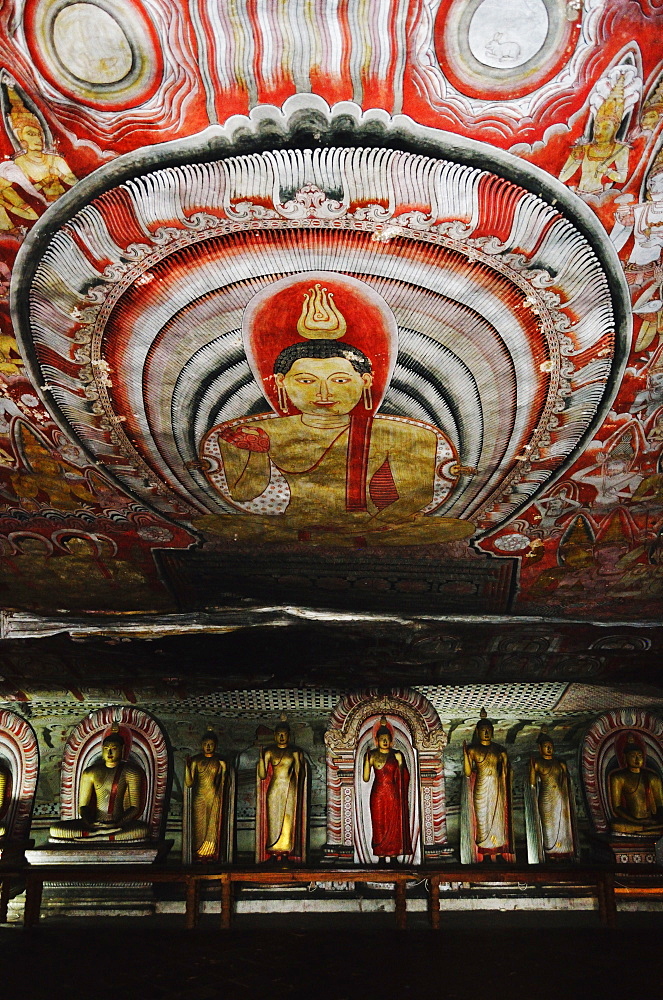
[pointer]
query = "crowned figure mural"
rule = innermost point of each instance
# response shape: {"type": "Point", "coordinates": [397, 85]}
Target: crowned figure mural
{"type": "Point", "coordinates": [325, 462]}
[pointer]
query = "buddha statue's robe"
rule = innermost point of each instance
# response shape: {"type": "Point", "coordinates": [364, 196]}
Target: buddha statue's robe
{"type": "Point", "coordinates": [389, 809]}
{"type": "Point", "coordinates": [486, 805]}
{"type": "Point", "coordinates": [636, 798]}
{"type": "Point", "coordinates": [110, 800]}
{"type": "Point", "coordinates": [549, 813]}
{"type": "Point", "coordinates": [281, 804]}
{"type": "Point", "coordinates": [205, 777]}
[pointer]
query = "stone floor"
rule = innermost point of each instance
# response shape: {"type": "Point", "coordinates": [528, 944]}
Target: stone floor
{"type": "Point", "coordinates": [477, 956]}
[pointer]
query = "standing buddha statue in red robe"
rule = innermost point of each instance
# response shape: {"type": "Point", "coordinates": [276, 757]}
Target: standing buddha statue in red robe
{"type": "Point", "coordinates": [390, 816]}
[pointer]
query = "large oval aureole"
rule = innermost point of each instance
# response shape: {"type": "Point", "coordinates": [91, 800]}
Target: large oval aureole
{"type": "Point", "coordinates": [91, 44]}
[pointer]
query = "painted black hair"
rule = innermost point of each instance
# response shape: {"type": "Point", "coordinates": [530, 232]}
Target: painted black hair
{"type": "Point", "coordinates": [322, 349]}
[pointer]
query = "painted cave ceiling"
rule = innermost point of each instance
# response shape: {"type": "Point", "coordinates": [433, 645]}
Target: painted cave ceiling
{"type": "Point", "coordinates": [355, 308]}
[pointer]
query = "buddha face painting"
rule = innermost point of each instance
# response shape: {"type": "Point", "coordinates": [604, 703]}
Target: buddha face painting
{"type": "Point", "coordinates": [322, 387]}
{"type": "Point", "coordinates": [326, 461]}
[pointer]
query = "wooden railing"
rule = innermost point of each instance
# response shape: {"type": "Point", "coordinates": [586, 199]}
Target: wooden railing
{"type": "Point", "coordinates": [600, 880]}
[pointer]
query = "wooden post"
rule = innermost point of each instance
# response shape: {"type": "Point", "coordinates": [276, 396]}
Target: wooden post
{"type": "Point", "coordinates": [434, 902]}
{"type": "Point", "coordinates": [192, 886]}
{"type": "Point", "coordinates": [401, 904]}
{"type": "Point", "coordinates": [34, 887]}
{"type": "Point", "coordinates": [226, 902]}
{"type": "Point", "coordinates": [607, 901]}
{"type": "Point", "coordinates": [4, 897]}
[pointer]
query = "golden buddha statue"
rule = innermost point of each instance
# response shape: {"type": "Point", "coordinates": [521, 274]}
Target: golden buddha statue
{"type": "Point", "coordinates": [549, 812]}
{"type": "Point", "coordinates": [389, 807]}
{"type": "Point", "coordinates": [205, 776]}
{"type": "Point", "coordinates": [604, 157]}
{"type": "Point", "coordinates": [281, 799]}
{"type": "Point", "coordinates": [5, 786]}
{"type": "Point", "coordinates": [47, 172]}
{"type": "Point", "coordinates": [486, 799]}
{"type": "Point", "coordinates": [109, 799]}
{"type": "Point", "coordinates": [636, 794]}
{"type": "Point", "coordinates": [333, 468]}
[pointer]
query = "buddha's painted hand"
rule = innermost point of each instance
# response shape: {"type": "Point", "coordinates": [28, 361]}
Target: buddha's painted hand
{"type": "Point", "coordinates": [252, 439]}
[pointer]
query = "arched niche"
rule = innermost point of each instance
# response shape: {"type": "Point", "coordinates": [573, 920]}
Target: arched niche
{"type": "Point", "coordinates": [419, 735]}
{"type": "Point", "coordinates": [602, 753]}
{"type": "Point", "coordinates": [19, 757]}
{"type": "Point", "coordinates": [145, 744]}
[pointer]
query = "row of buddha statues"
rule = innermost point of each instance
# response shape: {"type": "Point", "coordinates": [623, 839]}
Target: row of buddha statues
{"type": "Point", "coordinates": [385, 790]}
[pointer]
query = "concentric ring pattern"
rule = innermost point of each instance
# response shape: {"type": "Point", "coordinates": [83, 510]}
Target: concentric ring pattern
{"type": "Point", "coordinates": [507, 334]}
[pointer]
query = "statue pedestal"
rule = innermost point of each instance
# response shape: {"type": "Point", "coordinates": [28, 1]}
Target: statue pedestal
{"type": "Point", "coordinates": [64, 852]}
{"type": "Point", "coordinates": [626, 850]}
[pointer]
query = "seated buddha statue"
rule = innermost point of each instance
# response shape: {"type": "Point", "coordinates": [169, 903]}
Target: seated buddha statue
{"type": "Point", "coordinates": [109, 799]}
{"type": "Point", "coordinates": [636, 794]}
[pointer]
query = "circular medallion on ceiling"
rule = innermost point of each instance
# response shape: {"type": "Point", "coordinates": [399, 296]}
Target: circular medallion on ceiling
{"type": "Point", "coordinates": [102, 54]}
{"type": "Point", "coordinates": [495, 50]}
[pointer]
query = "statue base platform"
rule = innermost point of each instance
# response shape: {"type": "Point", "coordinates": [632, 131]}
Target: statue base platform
{"type": "Point", "coordinates": [67, 853]}
{"type": "Point", "coordinates": [626, 850]}
{"type": "Point", "coordinates": [13, 851]}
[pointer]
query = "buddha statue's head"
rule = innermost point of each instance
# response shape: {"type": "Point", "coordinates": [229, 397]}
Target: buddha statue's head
{"type": "Point", "coordinates": [209, 743]}
{"type": "Point", "coordinates": [483, 734]}
{"type": "Point", "coordinates": [634, 753]}
{"type": "Point", "coordinates": [112, 748]}
{"type": "Point", "coordinates": [546, 745]}
{"type": "Point", "coordinates": [282, 733]}
{"type": "Point", "coordinates": [322, 374]}
{"type": "Point", "coordinates": [383, 737]}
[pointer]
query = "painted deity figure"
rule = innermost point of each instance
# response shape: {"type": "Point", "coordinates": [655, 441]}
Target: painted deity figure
{"type": "Point", "coordinates": [613, 476]}
{"type": "Point", "coordinates": [282, 806]}
{"type": "Point", "coordinates": [327, 463]}
{"type": "Point", "coordinates": [390, 819]}
{"type": "Point", "coordinates": [486, 798]}
{"type": "Point", "coordinates": [644, 220]}
{"type": "Point", "coordinates": [604, 157]}
{"type": "Point", "coordinates": [5, 787]}
{"type": "Point", "coordinates": [48, 173]}
{"type": "Point", "coordinates": [549, 807]}
{"type": "Point", "coordinates": [205, 776]}
{"type": "Point", "coordinates": [109, 798]}
{"type": "Point", "coordinates": [636, 794]}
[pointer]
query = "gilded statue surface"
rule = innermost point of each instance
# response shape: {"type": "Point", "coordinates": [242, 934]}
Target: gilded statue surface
{"type": "Point", "coordinates": [281, 799]}
{"type": "Point", "coordinates": [486, 798]}
{"type": "Point", "coordinates": [109, 799]}
{"type": "Point", "coordinates": [635, 793]}
{"type": "Point", "coordinates": [389, 807]}
{"type": "Point", "coordinates": [549, 807]}
{"type": "Point", "coordinates": [5, 787]}
{"type": "Point", "coordinates": [205, 777]}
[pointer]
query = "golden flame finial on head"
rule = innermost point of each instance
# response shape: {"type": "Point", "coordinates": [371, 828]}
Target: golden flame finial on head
{"type": "Point", "coordinates": [483, 714]}
{"type": "Point", "coordinates": [115, 728]}
{"type": "Point", "coordinates": [320, 318]}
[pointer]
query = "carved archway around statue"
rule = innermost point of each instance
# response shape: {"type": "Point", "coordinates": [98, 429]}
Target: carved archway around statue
{"type": "Point", "coordinates": [348, 725]}
{"type": "Point", "coordinates": [145, 744]}
{"type": "Point", "coordinates": [600, 755]}
{"type": "Point", "coordinates": [19, 752]}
